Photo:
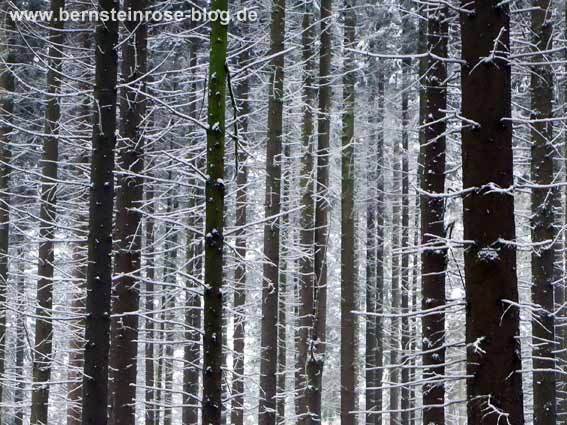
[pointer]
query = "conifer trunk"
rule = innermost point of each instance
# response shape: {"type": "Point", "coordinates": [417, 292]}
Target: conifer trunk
{"type": "Point", "coordinates": [214, 223]}
{"type": "Point", "coordinates": [543, 218]}
{"type": "Point", "coordinates": [43, 345]}
{"type": "Point", "coordinates": [7, 85]}
{"type": "Point", "coordinates": [494, 386]}
{"type": "Point", "coordinates": [306, 270]}
{"type": "Point", "coordinates": [101, 205]}
{"type": "Point", "coordinates": [315, 360]}
{"type": "Point", "coordinates": [434, 252]}
{"type": "Point", "coordinates": [129, 197]}
{"type": "Point", "coordinates": [348, 274]}
{"type": "Point", "coordinates": [269, 338]}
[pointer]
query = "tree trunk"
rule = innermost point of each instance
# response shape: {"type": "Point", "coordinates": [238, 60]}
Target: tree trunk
{"type": "Point", "coordinates": [375, 259]}
{"type": "Point", "coordinates": [269, 338]}
{"type": "Point", "coordinates": [7, 85]}
{"type": "Point", "coordinates": [150, 395]}
{"type": "Point", "coordinates": [214, 223]}
{"type": "Point", "coordinates": [315, 361]}
{"type": "Point", "coordinates": [240, 273]}
{"type": "Point", "coordinates": [494, 386]}
{"type": "Point", "coordinates": [404, 274]}
{"type": "Point", "coordinates": [543, 229]}
{"type": "Point", "coordinates": [129, 197]}
{"type": "Point", "coordinates": [348, 273]}
{"type": "Point", "coordinates": [395, 289]}
{"type": "Point", "coordinates": [306, 270]}
{"type": "Point", "coordinates": [48, 223]}
{"type": "Point", "coordinates": [99, 271]}
{"type": "Point", "coordinates": [192, 352]}
{"type": "Point", "coordinates": [433, 245]}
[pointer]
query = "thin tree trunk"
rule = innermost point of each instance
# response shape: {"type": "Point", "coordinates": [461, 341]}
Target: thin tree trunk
{"type": "Point", "coordinates": [315, 361]}
{"type": "Point", "coordinates": [19, 374]}
{"type": "Point", "coordinates": [7, 85]}
{"type": "Point", "coordinates": [494, 386]}
{"type": "Point", "coordinates": [101, 205]}
{"type": "Point", "coordinates": [129, 197]}
{"type": "Point", "coordinates": [150, 395]}
{"type": "Point", "coordinates": [395, 289]}
{"type": "Point", "coordinates": [404, 274]}
{"type": "Point", "coordinates": [214, 223]}
{"type": "Point", "coordinates": [380, 248]}
{"type": "Point", "coordinates": [306, 270]}
{"type": "Point", "coordinates": [192, 352]}
{"type": "Point", "coordinates": [543, 229]}
{"type": "Point", "coordinates": [240, 273]}
{"type": "Point", "coordinates": [434, 252]}
{"type": "Point", "coordinates": [348, 273]}
{"type": "Point", "coordinates": [43, 345]}
{"type": "Point", "coordinates": [269, 338]}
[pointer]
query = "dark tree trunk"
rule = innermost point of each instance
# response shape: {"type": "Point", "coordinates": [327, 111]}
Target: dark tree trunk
{"type": "Point", "coordinates": [375, 259]}
{"type": "Point", "coordinates": [99, 271]}
{"type": "Point", "coordinates": [434, 252]}
{"type": "Point", "coordinates": [348, 273]}
{"type": "Point", "coordinates": [129, 197]}
{"type": "Point", "coordinates": [43, 344]}
{"type": "Point", "coordinates": [315, 362]}
{"type": "Point", "coordinates": [543, 229]}
{"type": "Point", "coordinates": [269, 339]}
{"type": "Point", "coordinates": [492, 330]}
{"type": "Point", "coordinates": [150, 395]}
{"type": "Point", "coordinates": [214, 223]}
{"type": "Point", "coordinates": [395, 322]}
{"type": "Point", "coordinates": [306, 270]}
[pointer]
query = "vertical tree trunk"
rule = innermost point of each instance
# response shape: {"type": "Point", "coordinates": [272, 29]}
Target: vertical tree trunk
{"type": "Point", "coordinates": [433, 245]}
{"type": "Point", "coordinates": [214, 223]}
{"type": "Point", "coordinates": [306, 270]}
{"type": "Point", "coordinates": [240, 273]}
{"type": "Point", "coordinates": [348, 273]}
{"type": "Point", "coordinates": [269, 338]}
{"type": "Point", "coordinates": [492, 330]}
{"type": "Point", "coordinates": [7, 86]}
{"type": "Point", "coordinates": [395, 290]}
{"type": "Point", "coordinates": [99, 271]}
{"type": "Point", "coordinates": [315, 361]}
{"type": "Point", "coordinates": [150, 395]}
{"type": "Point", "coordinates": [19, 374]}
{"type": "Point", "coordinates": [48, 221]}
{"type": "Point", "coordinates": [543, 229]}
{"type": "Point", "coordinates": [192, 352]}
{"type": "Point", "coordinates": [129, 197]}
{"type": "Point", "coordinates": [375, 256]}
{"type": "Point", "coordinates": [404, 274]}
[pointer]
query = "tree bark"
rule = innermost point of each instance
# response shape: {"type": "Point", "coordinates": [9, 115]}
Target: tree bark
{"type": "Point", "coordinates": [543, 229]}
{"type": "Point", "coordinates": [269, 338]}
{"type": "Point", "coordinates": [348, 273]}
{"type": "Point", "coordinates": [433, 245]}
{"type": "Point", "coordinates": [494, 386]}
{"type": "Point", "coordinates": [43, 345]}
{"type": "Point", "coordinates": [315, 360]}
{"type": "Point", "coordinates": [129, 197]}
{"type": "Point", "coordinates": [404, 273]}
{"type": "Point", "coordinates": [7, 86]}
{"type": "Point", "coordinates": [99, 271]}
{"type": "Point", "coordinates": [214, 223]}
{"type": "Point", "coordinates": [306, 269]}
{"type": "Point", "coordinates": [192, 352]}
